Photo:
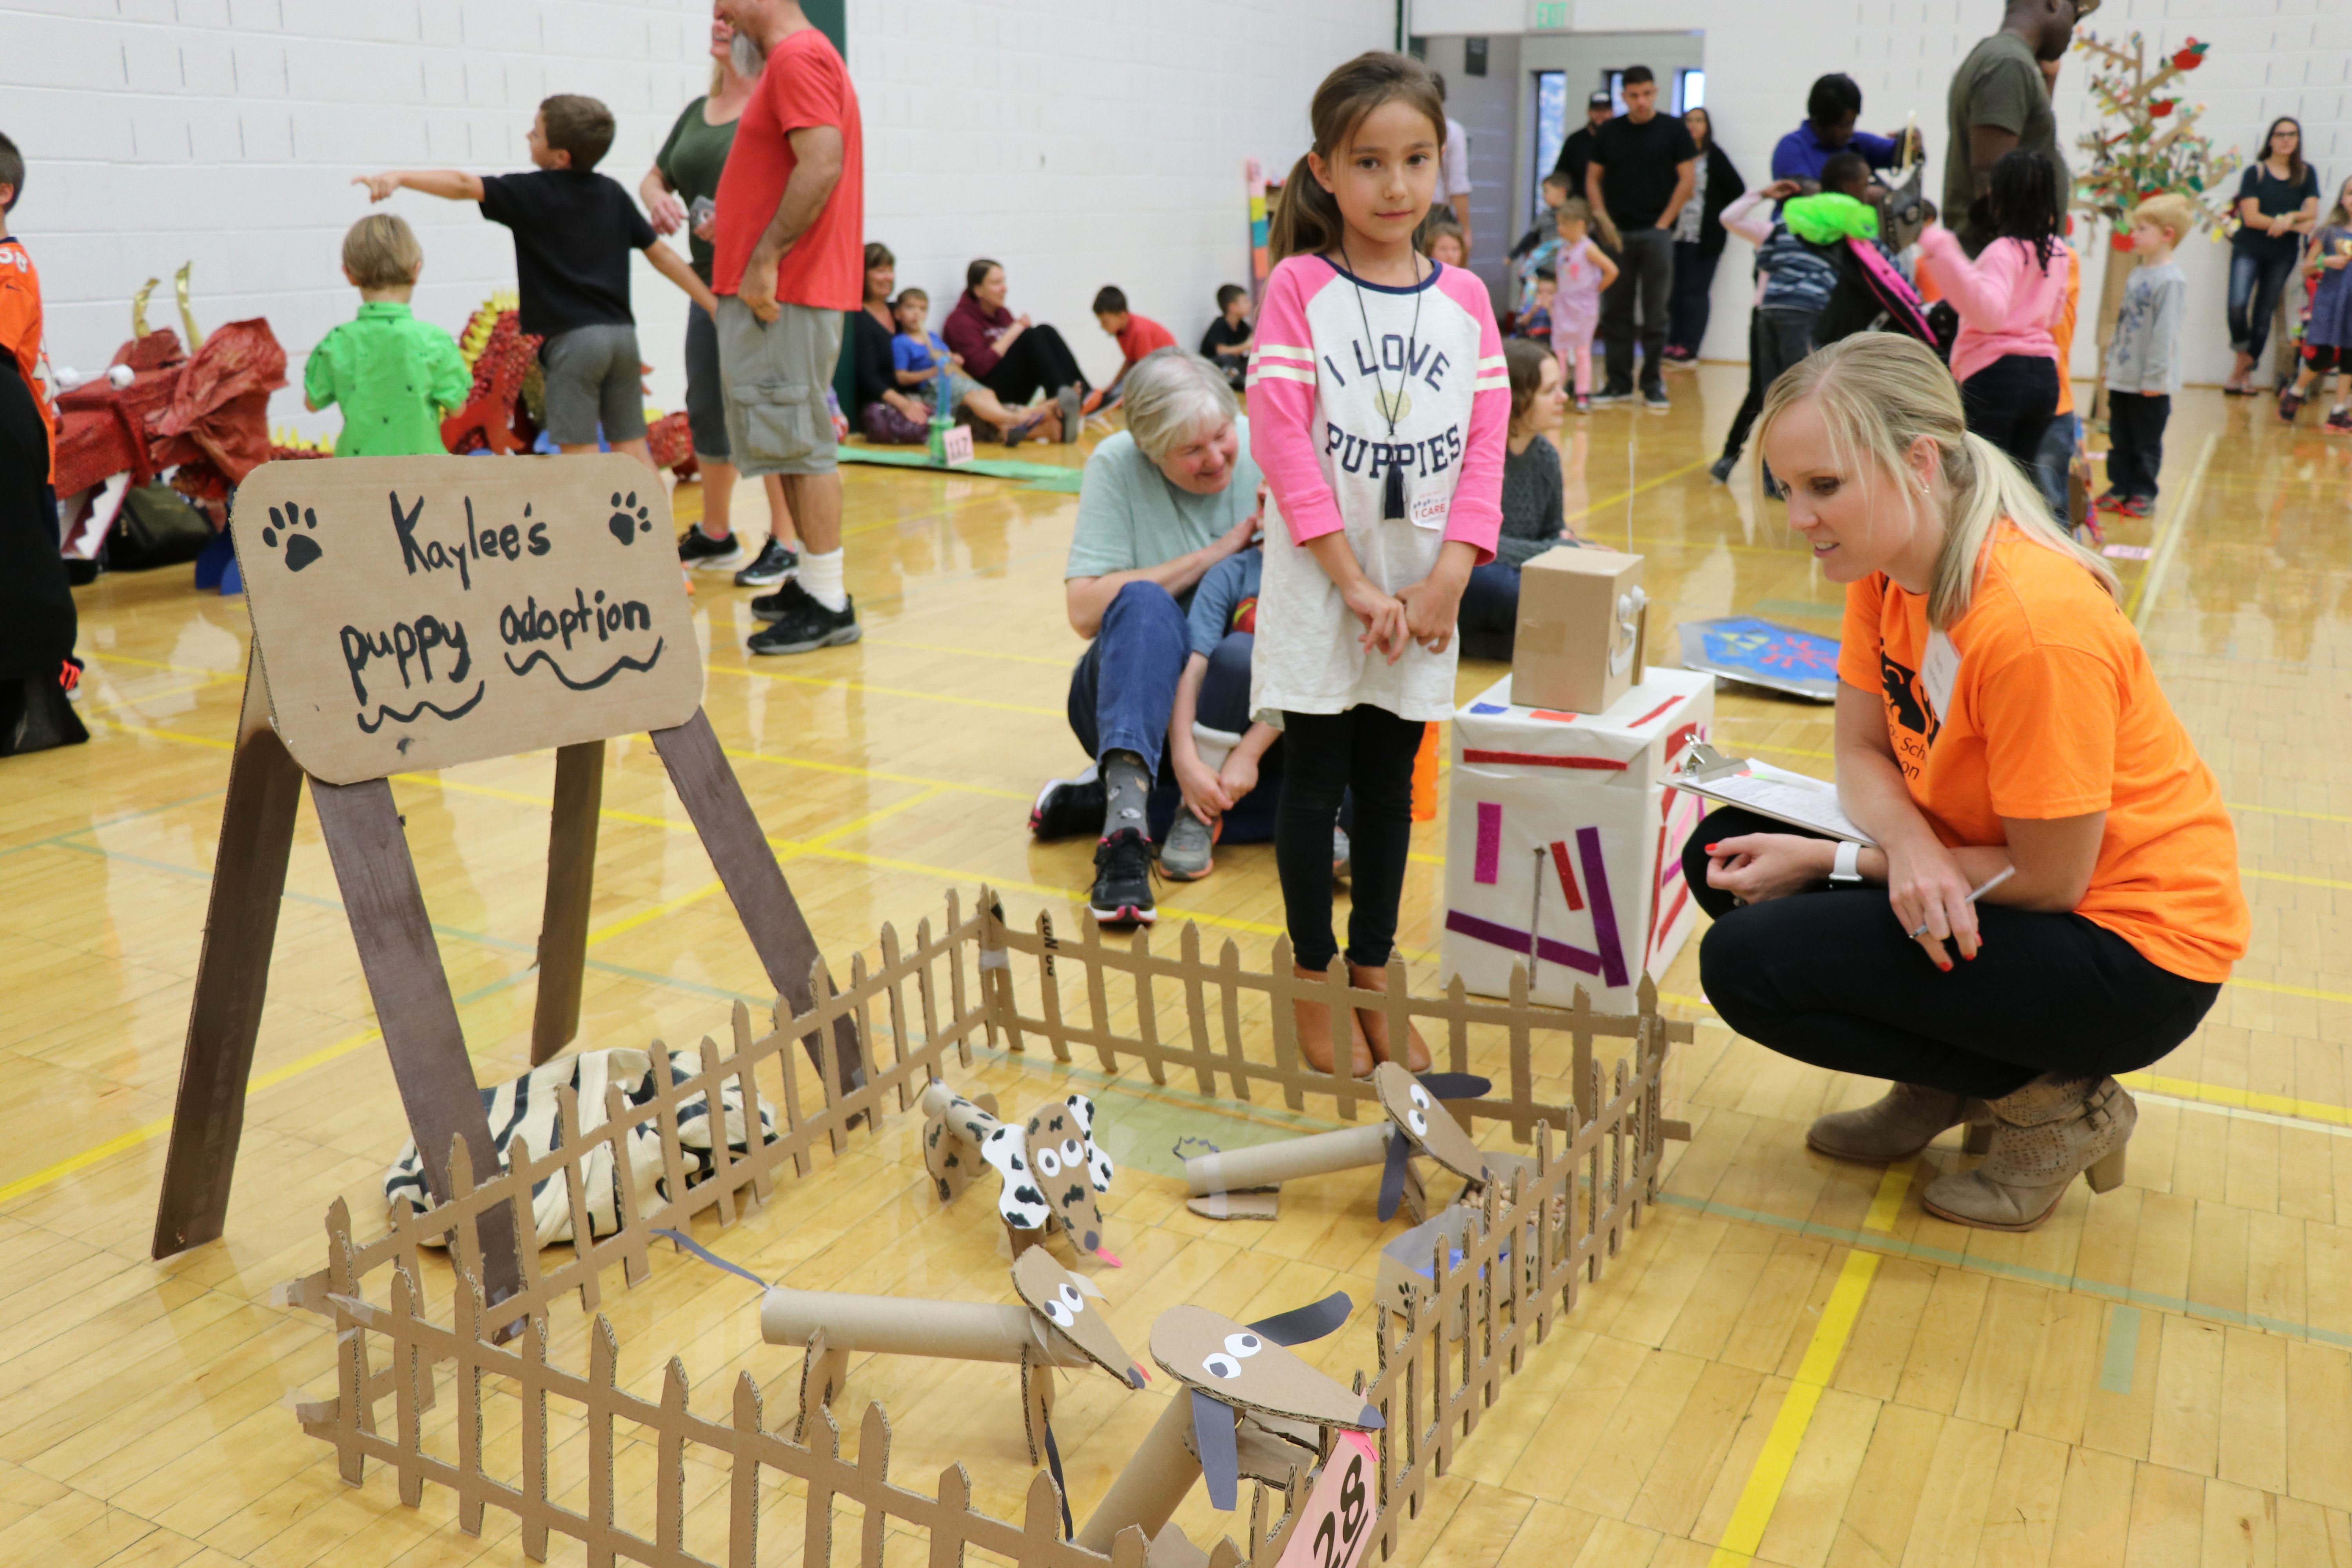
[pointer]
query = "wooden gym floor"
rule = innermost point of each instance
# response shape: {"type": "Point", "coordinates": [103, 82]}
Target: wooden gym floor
{"type": "Point", "coordinates": [1790, 1357]}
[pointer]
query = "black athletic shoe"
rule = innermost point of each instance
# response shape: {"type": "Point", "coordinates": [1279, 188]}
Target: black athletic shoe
{"type": "Point", "coordinates": [775, 563]}
{"type": "Point", "coordinates": [1613, 396]}
{"type": "Point", "coordinates": [1653, 398]}
{"type": "Point", "coordinates": [1068, 807]}
{"type": "Point", "coordinates": [704, 554]}
{"type": "Point", "coordinates": [798, 624]}
{"type": "Point", "coordinates": [1122, 894]}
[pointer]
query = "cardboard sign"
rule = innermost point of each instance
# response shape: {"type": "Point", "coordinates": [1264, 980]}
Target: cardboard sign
{"type": "Point", "coordinates": [1335, 1526]}
{"type": "Point", "coordinates": [416, 613]}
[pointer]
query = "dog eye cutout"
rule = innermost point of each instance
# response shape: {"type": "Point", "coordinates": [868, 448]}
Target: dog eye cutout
{"type": "Point", "coordinates": [1243, 1346]}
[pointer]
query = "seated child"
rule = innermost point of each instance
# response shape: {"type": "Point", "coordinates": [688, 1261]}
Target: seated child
{"type": "Point", "coordinates": [573, 230]}
{"type": "Point", "coordinates": [1227, 342]}
{"type": "Point", "coordinates": [1535, 322]}
{"type": "Point", "coordinates": [918, 356]}
{"type": "Point", "coordinates": [1533, 507]}
{"type": "Point", "coordinates": [394, 377]}
{"type": "Point", "coordinates": [1136, 335]}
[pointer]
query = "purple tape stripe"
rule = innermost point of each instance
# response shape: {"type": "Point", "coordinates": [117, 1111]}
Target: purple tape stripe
{"type": "Point", "coordinates": [1503, 936]}
{"type": "Point", "coordinates": [1489, 861]}
{"type": "Point", "coordinates": [1604, 910]}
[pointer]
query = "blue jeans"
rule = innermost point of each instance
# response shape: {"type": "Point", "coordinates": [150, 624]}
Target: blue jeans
{"type": "Point", "coordinates": [2255, 283]}
{"type": "Point", "coordinates": [1123, 693]}
{"type": "Point", "coordinates": [1488, 619]}
{"type": "Point", "coordinates": [2051, 461]}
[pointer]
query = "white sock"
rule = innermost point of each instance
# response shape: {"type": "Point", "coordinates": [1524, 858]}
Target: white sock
{"type": "Point", "coordinates": [820, 578]}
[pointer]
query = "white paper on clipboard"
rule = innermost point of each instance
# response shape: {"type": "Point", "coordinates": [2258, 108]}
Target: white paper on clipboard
{"type": "Point", "coordinates": [1776, 793]}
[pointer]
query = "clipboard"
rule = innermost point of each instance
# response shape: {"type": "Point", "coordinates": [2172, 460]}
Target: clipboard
{"type": "Point", "coordinates": [1794, 798]}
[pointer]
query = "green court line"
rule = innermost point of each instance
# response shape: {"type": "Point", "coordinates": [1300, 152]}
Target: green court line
{"type": "Point", "coordinates": [1876, 1242]}
{"type": "Point", "coordinates": [56, 839]}
{"type": "Point", "coordinates": [2123, 1349]}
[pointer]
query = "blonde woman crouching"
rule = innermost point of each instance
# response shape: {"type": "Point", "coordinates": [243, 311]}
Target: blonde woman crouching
{"type": "Point", "coordinates": [1995, 713]}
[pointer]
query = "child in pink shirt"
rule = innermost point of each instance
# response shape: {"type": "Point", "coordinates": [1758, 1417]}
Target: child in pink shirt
{"type": "Point", "coordinates": [2009, 299]}
{"type": "Point", "coordinates": [1379, 406]}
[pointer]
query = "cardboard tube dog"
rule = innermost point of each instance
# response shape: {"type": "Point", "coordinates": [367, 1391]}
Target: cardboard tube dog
{"type": "Point", "coordinates": [1050, 1164]}
{"type": "Point", "coordinates": [1417, 1123]}
{"type": "Point", "coordinates": [1054, 1324]}
{"type": "Point", "coordinates": [1247, 1407]}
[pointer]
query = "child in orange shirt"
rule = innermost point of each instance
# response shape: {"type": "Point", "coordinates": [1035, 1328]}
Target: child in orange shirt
{"type": "Point", "coordinates": [20, 297]}
{"type": "Point", "coordinates": [1136, 335]}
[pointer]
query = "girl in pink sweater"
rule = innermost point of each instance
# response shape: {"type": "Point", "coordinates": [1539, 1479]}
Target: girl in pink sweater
{"type": "Point", "coordinates": [1379, 407]}
{"type": "Point", "coordinates": [2008, 299]}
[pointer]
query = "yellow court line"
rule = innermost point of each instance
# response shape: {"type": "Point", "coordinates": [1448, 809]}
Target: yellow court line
{"type": "Point", "coordinates": [843, 683]}
{"type": "Point", "coordinates": [1645, 485]}
{"type": "Point", "coordinates": [979, 652]}
{"type": "Point", "coordinates": [2282, 811]}
{"type": "Point", "coordinates": [855, 772]}
{"type": "Point", "coordinates": [144, 696]}
{"type": "Point", "coordinates": [100, 660]}
{"type": "Point", "coordinates": [2238, 1098]}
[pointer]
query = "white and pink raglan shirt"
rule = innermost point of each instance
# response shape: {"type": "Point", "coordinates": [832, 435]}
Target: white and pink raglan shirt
{"type": "Point", "coordinates": [1334, 358]}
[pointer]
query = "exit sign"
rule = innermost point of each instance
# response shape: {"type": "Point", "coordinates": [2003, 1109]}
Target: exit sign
{"type": "Point", "coordinates": [1549, 15]}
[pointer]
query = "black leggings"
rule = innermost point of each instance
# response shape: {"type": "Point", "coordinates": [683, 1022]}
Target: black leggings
{"type": "Point", "coordinates": [2011, 402]}
{"type": "Point", "coordinates": [1828, 977]}
{"type": "Point", "coordinates": [1038, 360]}
{"type": "Point", "coordinates": [1369, 750]}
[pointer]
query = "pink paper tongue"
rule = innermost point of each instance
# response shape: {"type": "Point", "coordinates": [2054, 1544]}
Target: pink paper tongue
{"type": "Point", "coordinates": [1107, 1258]}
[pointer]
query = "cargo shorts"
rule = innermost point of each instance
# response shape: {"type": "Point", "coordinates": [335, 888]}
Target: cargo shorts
{"type": "Point", "coordinates": [775, 374]}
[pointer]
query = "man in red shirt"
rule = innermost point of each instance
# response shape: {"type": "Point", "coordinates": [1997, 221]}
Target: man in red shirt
{"type": "Point", "coordinates": [1136, 335]}
{"type": "Point", "coordinates": [788, 243]}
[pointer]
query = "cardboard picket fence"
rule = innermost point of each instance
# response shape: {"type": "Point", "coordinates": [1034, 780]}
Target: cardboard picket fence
{"type": "Point", "coordinates": [1438, 1362]}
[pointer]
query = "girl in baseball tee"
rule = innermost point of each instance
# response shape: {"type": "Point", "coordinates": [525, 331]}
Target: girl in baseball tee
{"type": "Point", "coordinates": [1378, 405]}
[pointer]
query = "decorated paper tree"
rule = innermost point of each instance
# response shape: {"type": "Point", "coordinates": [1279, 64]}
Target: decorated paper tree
{"type": "Point", "coordinates": [2146, 144]}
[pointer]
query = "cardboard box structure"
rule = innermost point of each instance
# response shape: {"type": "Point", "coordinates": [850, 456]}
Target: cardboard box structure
{"type": "Point", "coordinates": [1562, 832]}
{"type": "Point", "coordinates": [1581, 613]}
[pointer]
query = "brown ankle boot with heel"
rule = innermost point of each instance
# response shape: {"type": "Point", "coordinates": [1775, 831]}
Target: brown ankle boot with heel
{"type": "Point", "coordinates": [1314, 1022]}
{"type": "Point", "coordinates": [1372, 1025]}
{"type": "Point", "coordinates": [2044, 1135]}
{"type": "Point", "coordinates": [1906, 1121]}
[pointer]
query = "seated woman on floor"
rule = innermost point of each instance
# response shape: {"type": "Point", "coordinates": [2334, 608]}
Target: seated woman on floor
{"type": "Point", "coordinates": [891, 415]}
{"type": "Point", "coordinates": [1488, 620]}
{"type": "Point", "coordinates": [2002, 737]}
{"type": "Point", "coordinates": [1167, 510]}
{"type": "Point", "coordinates": [1011, 356]}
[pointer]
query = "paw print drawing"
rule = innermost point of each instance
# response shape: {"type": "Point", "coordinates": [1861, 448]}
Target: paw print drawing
{"type": "Point", "coordinates": [300, 547]}
{"type": "Point", "coordinates": [625, 523]}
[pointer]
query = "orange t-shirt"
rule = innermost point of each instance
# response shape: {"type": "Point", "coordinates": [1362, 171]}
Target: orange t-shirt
{"type": "Point", "coordinates": [2055, 711]}
{"type": "Point", "coordinates": [20, 328]}
{"type": "Point", "coordinates": [1141, 336]}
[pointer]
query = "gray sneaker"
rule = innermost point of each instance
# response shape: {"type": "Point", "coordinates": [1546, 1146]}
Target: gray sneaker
{"type": "Point", "coordinates": [1190, 852]}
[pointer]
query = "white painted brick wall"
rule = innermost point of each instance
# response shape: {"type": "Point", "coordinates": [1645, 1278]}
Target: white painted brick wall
{"type": "Point", "coordinates": [1080, 141]}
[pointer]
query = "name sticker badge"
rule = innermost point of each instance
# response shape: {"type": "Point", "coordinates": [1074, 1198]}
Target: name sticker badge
{"type": "Point", "coordinates": [1429, 512]}
{"type": "Point", "coordinates": [1937, 672]}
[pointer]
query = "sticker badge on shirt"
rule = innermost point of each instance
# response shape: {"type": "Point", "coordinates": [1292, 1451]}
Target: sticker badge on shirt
{"type": "Point", "coordinates": [1429, 512]}
{"type": "Point", "coordinates": [1939, 671]}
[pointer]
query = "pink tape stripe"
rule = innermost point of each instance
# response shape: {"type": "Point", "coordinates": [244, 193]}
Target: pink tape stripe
{"type": "Point", "coordinates": [1489, 859]}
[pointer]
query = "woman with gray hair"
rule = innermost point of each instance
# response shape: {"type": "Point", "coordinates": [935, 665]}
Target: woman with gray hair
{"type": "Point", "coordinates": [1162, 580]}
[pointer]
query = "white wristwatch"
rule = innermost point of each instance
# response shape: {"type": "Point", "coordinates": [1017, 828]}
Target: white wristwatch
{"type": "Point", "coordinates": [1846, 868]}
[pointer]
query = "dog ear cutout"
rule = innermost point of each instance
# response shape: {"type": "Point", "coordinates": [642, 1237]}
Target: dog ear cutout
{"type": "Point", "coordinates": [1393, 1173]}
{"type": "Point", "coordinates": [1456, 1085]}
{"type": "Point", "coordinates": [1212, 1440]}
{"type": "Point", "coordinates": [1430, 1125]}
{"type": "Point", "coordinates": [1303, 1325]}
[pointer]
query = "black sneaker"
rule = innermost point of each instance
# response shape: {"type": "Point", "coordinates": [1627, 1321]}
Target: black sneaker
{"type": "Point", "coordinates": [1653, 398]}
{"type": "Point", "coordinates": [1122, 894]}
{"type": "Point", "coordinates": [1720, 470]}
{"type": "Point", "coordinates": [1610, 395]}
{"type": "Point", "coordinates": [1068, 807]}
{"type": "Point", "coordinates": [798, 624]}
{"type": "Point", "coordinates": [776, 562]}
{"type": "Point", "coordinates": [704, 554]}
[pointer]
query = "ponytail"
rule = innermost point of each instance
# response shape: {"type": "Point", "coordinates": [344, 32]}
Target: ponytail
{"type": "Point", "coordinates": [1306, 219]}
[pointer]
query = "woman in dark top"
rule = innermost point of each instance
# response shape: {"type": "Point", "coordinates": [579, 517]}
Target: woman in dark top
{"type": "Point", "coordinates": [887, 412]}
{"type": "Point", "coordinates": [680, 192]}
{"type": "Point", "coordinates": [1532, 505]}
{"type": "Point", "coordinates": [2277, 200]}
{"type": "Point", "coordinates": [1011, 355]}
{"type": "Point", "coordinates": [1698, 241]}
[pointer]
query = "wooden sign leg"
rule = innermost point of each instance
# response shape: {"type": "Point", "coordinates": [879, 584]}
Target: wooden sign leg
{"type": "Point", "coordinates": [571, 876]}
{"type": "Point", "coordinates": [413, 1006]}
{"type": "Point", "coordinates": [264, 785]}
{"type": "Point", "coordinates": [779, 932]}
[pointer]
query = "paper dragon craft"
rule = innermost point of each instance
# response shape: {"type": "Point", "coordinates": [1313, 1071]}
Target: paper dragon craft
{"type": "Point", "coordinates": [1051, 1166]}
{"type": "Point", "coordinates": [1234, 1186]}
{"type": "Point", "coordinates": [1247, 1407]}
{"type": "Point", "coordinates": [1054, 1325]}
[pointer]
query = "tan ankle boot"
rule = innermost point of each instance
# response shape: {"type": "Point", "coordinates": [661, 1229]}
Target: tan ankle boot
{"type": "Point", "coordinates": [1313, 1023]}
{"type": "Point", "coordinates": [2044, 1135]}
{"type": "Point", "coordinates": [1895, 1128]}
{"type": "Point", "coordinates": [1372, 1025]}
